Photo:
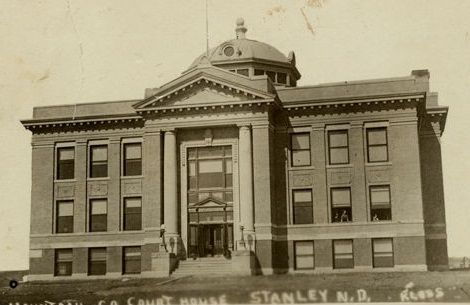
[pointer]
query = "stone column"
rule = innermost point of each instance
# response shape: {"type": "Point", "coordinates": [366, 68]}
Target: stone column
{"type": "Point", "coordinates": [170, 191]}
{"type": "Point", "coordinates": [246, 180]}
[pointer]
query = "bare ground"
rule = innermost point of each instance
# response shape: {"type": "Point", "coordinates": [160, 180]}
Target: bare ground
{"type": "Point", "coordinates": [449, 286]}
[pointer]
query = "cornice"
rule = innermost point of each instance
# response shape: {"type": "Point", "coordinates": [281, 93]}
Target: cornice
{"type": "Point", "coordinates": [35, 125]}
{"type": "Point", "coordinates": [192, 108]}
{"type": "Point", "coordinates": [351, 102]}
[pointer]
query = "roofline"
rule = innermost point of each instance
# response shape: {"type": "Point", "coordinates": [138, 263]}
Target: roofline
{"type": "Point", "coordinates": [88, 103]}
{"type": "Point", "coordinates": [81, 119]}
{"type": "Point", "coordinates": [354, 82]}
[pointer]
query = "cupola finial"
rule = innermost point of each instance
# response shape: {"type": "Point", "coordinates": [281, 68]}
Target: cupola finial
{"type": "Point", "coordinates": [240, 30]}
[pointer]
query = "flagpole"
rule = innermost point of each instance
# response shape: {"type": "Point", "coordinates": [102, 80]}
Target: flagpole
{"type": "Point", "coordinates": [207, 30]}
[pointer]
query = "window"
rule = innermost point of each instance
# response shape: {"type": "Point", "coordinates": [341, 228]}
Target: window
{"type": "Point", "coordinates": [271, 75]}
{"type": "Point", "coordinates": [281, 78]}
{"type": "Point", "coordinates": [382, 249]}
{"type": "Point", "coordinates": [228, 51]}
{"type": "Point", "coordinates": [377, 150]}
{"type": "Point", "coordinates": [341, 210]}
{"type": "Point", "coordinates": [303, 207]}
{"type": "Point", "coordinates": [132, 214]}
{"type": "Point", "coordinates": [210, 174]}
{"type": "Point", "coordinates": [300, 149]}
{"type": "Point", "coordinates": [133, 159]}
{"type": "Point", "coordinates": [64, 216]}
{"type": "Point", "coordinates": [131, 260]}
{"type": "Point", "coordinates": [380, 206]}
{"type": "Point", "coordinates": [259, 72]}
{"type": "Point", "coordinates": [338, 146]}
{"type": "Point", "coordinates": [98, 161]}
{"type": "Point", "coordinates": [343, 254]}
{"type": "Point", "coordinates": [63, 262]}
{"type": "Point", "coordinates": [98, 215]}
{"type": "Point", "coordinates": [65, 163]}
{"type": "Point", "coordinates": [96, 261]}
{"type": "Point", "coordinates": [244, 72]}
{"type": "Point", "coordinates": [304, 255]}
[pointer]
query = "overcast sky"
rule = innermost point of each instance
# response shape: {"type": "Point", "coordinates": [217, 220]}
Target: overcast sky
{"type": "Point", "coordinates": [64, 52]}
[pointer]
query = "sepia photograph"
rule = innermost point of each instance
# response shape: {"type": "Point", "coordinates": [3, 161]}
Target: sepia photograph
{"type": "Point", "coordinates": [207, 152]}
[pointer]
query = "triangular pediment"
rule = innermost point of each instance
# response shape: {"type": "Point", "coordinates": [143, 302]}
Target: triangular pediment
{"type": "Point", "coordinates": [209, 203]}
{"type": "Point", "coordinates": [210, 86]}
{"type": "Point", "coordinates": [204, 93]}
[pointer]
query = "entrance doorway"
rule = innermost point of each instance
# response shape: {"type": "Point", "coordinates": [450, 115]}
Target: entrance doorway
{"type": "Point", "coordinates": [210, 201]}
{"type": "Point", "coordinates": [211, 240]}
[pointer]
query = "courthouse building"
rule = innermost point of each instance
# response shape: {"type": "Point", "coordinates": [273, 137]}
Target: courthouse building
{"type": "Point", "coordinates": [232, 167]}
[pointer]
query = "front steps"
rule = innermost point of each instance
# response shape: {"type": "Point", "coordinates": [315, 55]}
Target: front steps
{"type": "Point", "coordinates": [203, 266]}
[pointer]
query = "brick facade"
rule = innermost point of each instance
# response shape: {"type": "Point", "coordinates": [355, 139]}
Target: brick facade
{"type": "Point", "coordinates": [208, 106]}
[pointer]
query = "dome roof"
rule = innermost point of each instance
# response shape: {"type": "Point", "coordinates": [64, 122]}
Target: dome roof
{"type": "Point", "coordinates": [242, 50]}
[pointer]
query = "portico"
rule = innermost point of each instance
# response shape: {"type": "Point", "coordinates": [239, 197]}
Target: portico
{"type": "Point", "coordinates": [209, 205]}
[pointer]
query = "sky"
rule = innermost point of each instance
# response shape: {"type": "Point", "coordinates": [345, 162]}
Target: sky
{"type": "Point", "coordinates": [66, 52]}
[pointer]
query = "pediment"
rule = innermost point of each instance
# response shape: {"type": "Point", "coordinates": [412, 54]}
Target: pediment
{"type": "Point", "coordinates": [203, 90]}
{"type": "Point", "coordinates": [209, 203]}
{"type": "Point", "coordinates": [205, 94]}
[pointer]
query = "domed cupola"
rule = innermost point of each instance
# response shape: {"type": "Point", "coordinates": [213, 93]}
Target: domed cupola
{"type": "Point", "coordinates": [251, 58]}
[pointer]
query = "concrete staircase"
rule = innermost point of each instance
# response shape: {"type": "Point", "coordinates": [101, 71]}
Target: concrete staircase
{"type": "Point", "coordinates": [203, 266]}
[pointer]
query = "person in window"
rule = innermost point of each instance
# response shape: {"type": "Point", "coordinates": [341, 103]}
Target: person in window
{"type": "Point", "coordinates": [344, 216]}
{"type": "Point", "coordinates": [336, 219]}
{"type": "Point", "coordinates": [375, 218]}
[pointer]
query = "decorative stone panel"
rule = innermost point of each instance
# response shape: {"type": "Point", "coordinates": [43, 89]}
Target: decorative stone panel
{"type": "Point", "coordinates": [375, 176]}
{"type": "Point", "coordinates": [132, 187]}
{"type": "Point", "coordinates": [301, 178]}
{"type": "Point", "coordinates": [65, 191]}
{"type": "Point", "coordinates": [341, 177]}
{"type": "Point", "coordinates": [98, 189]}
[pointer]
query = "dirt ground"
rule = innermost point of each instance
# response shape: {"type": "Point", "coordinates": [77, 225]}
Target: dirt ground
{"type": "Point", "coordinates": [450, 286]}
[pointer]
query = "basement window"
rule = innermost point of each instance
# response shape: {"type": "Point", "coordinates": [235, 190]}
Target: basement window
{"type": "Point", "coordinates": [97, 261]}
{"type": "Point", "coordinates": [343, 254]}
{"type": "Point", "coordinates": [382, 249]}
{"type": "Point", "coordinates": [304, 255]}
{"type": "Point", "coordinates": [131, 260]}
{"type": "Point", "coordinates": [63, 262]}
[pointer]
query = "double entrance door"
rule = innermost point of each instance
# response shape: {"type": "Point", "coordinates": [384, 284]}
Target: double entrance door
{"type": "Point", "coordinates": [211, 240]}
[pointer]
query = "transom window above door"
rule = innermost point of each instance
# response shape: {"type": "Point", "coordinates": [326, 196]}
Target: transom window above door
{"type": "Point", "coordinates": [210, 174]}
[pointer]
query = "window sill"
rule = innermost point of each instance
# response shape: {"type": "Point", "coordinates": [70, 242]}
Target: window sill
{"type": "Point", "coordinates": [90, 233]}
{"type": "Point", "coordinates": [98, 179]}
{"type": "Point", "coordinates": [64, 180]}
{"type": "Point", "coordinates": [132, 177]}
{"type": "Point", "coordinates": [301, 225]}
{"type": "Point", "coordinates": [372, 164]}
{"type": "Point", "coordinates": [331, 166]}
{"type": "Point", "coordinates": [307, 167]}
